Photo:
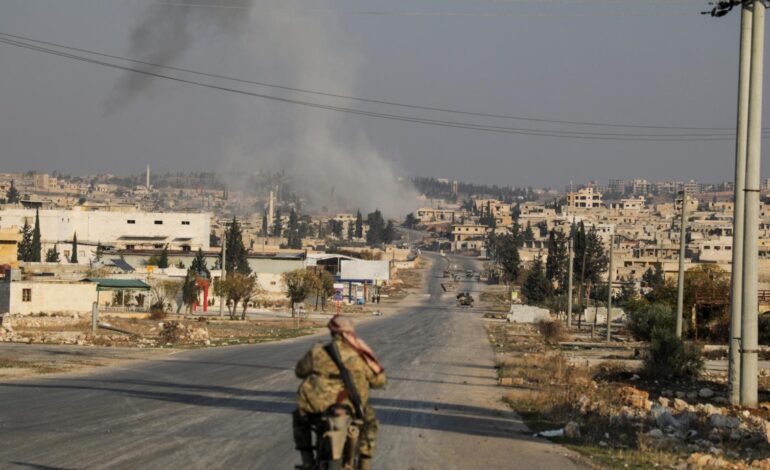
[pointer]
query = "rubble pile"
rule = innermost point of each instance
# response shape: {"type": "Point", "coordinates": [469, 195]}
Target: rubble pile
{"type": "Point", "coordinates": [8, 335]}
{"type": "Point", "coordinates": [715, 436]}
{"type": "Point", "coordinates": [174, 332]}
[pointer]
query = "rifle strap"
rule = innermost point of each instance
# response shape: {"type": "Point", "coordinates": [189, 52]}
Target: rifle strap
{"type": "Point", "coordinates": [331, 349]}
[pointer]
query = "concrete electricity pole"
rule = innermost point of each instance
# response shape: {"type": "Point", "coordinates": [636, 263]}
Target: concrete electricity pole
{"type": "Point", "coordinates": [609, 289]}
{"type": "Point", "coordinates": [570, 264]}
{"type": "Point", "coordinates": [749, 307]}
{"type": "Point", "coordinates": [736, 288]}
{"type": "Point", "coordinates": [223, 273]}
{"type": "Point", "coordinates": [682, 252]}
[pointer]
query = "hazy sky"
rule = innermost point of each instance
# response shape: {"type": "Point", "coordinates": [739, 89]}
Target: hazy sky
{"type": "Point", "coordinates": [619, 61]}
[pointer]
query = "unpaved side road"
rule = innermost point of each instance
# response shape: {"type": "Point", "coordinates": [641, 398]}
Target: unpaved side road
{"type": "Point", "coordinates": [230, 407]}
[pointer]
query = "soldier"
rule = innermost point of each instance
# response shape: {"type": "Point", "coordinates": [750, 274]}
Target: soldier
{"type": "Point", "coordinates": [322, 387]}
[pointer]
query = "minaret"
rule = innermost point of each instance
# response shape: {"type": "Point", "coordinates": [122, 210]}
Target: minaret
{"type": "Point", "coordinates": [147, 182]}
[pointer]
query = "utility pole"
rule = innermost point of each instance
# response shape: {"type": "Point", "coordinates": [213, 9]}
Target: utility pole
{"type": "Point", "coordinates": [609, 290]}
{"type": "Point", "coordinates": [749, 307]}
{"type": "Point", "coordinates": [736, 287]}
{"type": "Point", "coordinates": [682, 252]}
{"type": "Point", "coordinates": [570, 263]}
{"type": "Point", "coordinates": [223, 273]}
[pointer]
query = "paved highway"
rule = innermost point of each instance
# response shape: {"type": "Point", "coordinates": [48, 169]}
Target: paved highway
{"type": "Point", "coordinates": [230, 407]}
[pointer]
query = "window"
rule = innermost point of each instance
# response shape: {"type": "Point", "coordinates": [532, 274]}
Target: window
{"type": "Point", "coordinates": [26, 295]}
{"type": "Point", "coordinates": [185, 222]}
{"type": "Point", "coordinates": [130, 247]}
{"type": "Point", "coordinates": [130, 221]}
{"type": "Point", "coordinates": [158, 222]}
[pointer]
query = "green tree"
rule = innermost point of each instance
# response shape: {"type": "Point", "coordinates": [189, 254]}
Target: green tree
{"type": "Point", "coordinates": [359, 225]}
{"type": "Point", "coordinates": [335, 227]}
{"type": "Point", "coordinates": [410, 221]}
{"type": "Point", "coordinates": [504, 253]}
{"type": "Point", "coordinates": [36, 247]}
{"type": "Point", "coordinates": [237, 258]}
{"type": "Point", "coordinates": [264, 232]}
{"type": "Point", "coordinates": [351, 230]}
{"type": "Point", "coordinates": [163, 260]}
{"type": "Point", "coordinates": [12, 195]}
{"type": "Point", "coordinates": [294, 240]}
{"type": "Point", "coordinates": [298, 285]}
{"type": "Point", "coordinates": [529, 235]}
{"type": "Point", "coordinates": [536, 287]}
{"type": "Point", "coordinates": [190, 290]}
{"type": "Point", "coordinates": [376, 233]}
{"type": "Point", "coordinates": [52, 255]}
{"type": "Point", "coordinates": [25, 244]}
{"type": "Point", "coordinates": [74, 254]}
{"type": "Point", "coordinates": [198, 265]}
{"type": "Point", "coordinates": [557, 261]}
{"type": "Point", "coordinates": [389, 233]}
{"type": "Point", "coordinates": [277, 224]}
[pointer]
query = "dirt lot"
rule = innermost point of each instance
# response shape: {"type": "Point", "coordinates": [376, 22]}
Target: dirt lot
{"type": "Point", "coordinates": [594, 399]}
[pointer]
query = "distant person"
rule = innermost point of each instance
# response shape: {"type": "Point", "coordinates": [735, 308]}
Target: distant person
{"type": "Point", "coordinates": [322, 387]}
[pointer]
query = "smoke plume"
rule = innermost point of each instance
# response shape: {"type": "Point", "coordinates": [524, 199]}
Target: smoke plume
{"type": "Point", "coordinates": [325, 153]}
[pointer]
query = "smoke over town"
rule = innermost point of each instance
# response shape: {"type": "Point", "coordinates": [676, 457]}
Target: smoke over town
{"type": "Point", "coordinates": [326, 154]}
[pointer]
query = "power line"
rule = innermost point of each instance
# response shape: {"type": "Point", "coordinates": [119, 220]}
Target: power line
{"type": "Point", "coordinates": [432, 122]}
{"type": "Point", "coordinates": [362, 99]}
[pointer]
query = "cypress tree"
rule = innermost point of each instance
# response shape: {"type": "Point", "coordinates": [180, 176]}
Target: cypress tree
{"type": "Point", "coordinates": [36, 246]}
{"type": "Point", "coordinates": [74, 255]}
{"type": "Point", "coordinates": [277, 224]}
{"type": "Point", "coordinates": [359, 225]}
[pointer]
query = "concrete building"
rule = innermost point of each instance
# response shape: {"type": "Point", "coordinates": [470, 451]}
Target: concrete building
{"type": "Point", "coordinates": [586, 198]}
{"type": "Point", "coordinates": [428, 215]}
{"type": "Point", "coordinates": [122, 230]}
{"type": "Point", "coordinates": [9, 244]}
{"type": "Point", "coordinates": [469, 237]}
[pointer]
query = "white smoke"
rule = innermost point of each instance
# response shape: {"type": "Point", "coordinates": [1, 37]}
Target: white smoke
{"type": "Point", "coordinates": [325, 153]}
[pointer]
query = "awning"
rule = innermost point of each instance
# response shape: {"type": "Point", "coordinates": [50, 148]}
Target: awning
{"type": "Point", "coordinates": [103, 284]}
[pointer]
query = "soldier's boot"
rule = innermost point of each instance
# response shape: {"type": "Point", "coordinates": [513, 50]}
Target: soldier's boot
{"type": "Point", "coordinates": [308, 460]}
{"type": "Point", "coordinates": [365, 463]}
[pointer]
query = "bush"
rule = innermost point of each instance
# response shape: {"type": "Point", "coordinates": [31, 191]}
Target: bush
{"type": "Point", "coordinates": [670, 358]}
{"type": "Point", "coordinates": [764, 329]}
{"type": "Point", "coordinates": [552, 331]}
{"type": "Point", "coordinates": [643, 321]}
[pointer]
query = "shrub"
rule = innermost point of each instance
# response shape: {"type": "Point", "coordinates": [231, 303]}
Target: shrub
{"type": "Point", "coordinates": [670, 358]}
{"type": "Point", "coordinates": [764, 329]}
{"type": "Point", "coordinates": [643, 321]}
{"type": "Point", "coordinates": [552, 331]}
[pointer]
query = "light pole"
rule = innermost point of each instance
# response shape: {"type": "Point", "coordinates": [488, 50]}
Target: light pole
{"type": "Point", "coordinates": [736, 281]}
{"type": "Point", "coordinates": [609, 290]}
{"type": "Point", "coordinates": [749, 307]}
{"type": "Point", "coordinates": [570, 263]}
{"type": "Point", "coordinates": [223, 274]}
{"type": "Point", "coordinates": [682, 252]}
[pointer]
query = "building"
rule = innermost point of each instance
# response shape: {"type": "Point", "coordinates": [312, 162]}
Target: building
{"type": "Point", "coordinates": [629, 205]}
{"type": "Point", "coordinates": [9, 246]}
{"type": "Point", "coordinates": [586, 198]}
{"type": "Point", "coordinates": [469, 237]}
{"type": "Point", "coordinates": [123, 230]}
{"type": "Point", "coordinates": [427, 215]}
{"type": "Point", "coordinates": [617, 186]}
{"type": "Point", "coordinates": [640, 187]}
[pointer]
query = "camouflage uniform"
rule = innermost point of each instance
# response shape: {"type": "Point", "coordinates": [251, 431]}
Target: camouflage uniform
{"type": "Point", "coordinates": [322, 385]}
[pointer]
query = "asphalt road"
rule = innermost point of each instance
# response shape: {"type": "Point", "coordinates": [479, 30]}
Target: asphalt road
{"type": "Point", "coordinates": [230, 407]}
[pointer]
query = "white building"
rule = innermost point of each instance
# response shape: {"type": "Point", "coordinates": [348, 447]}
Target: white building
{"type": "Point", "coordinates": [122, 230]}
